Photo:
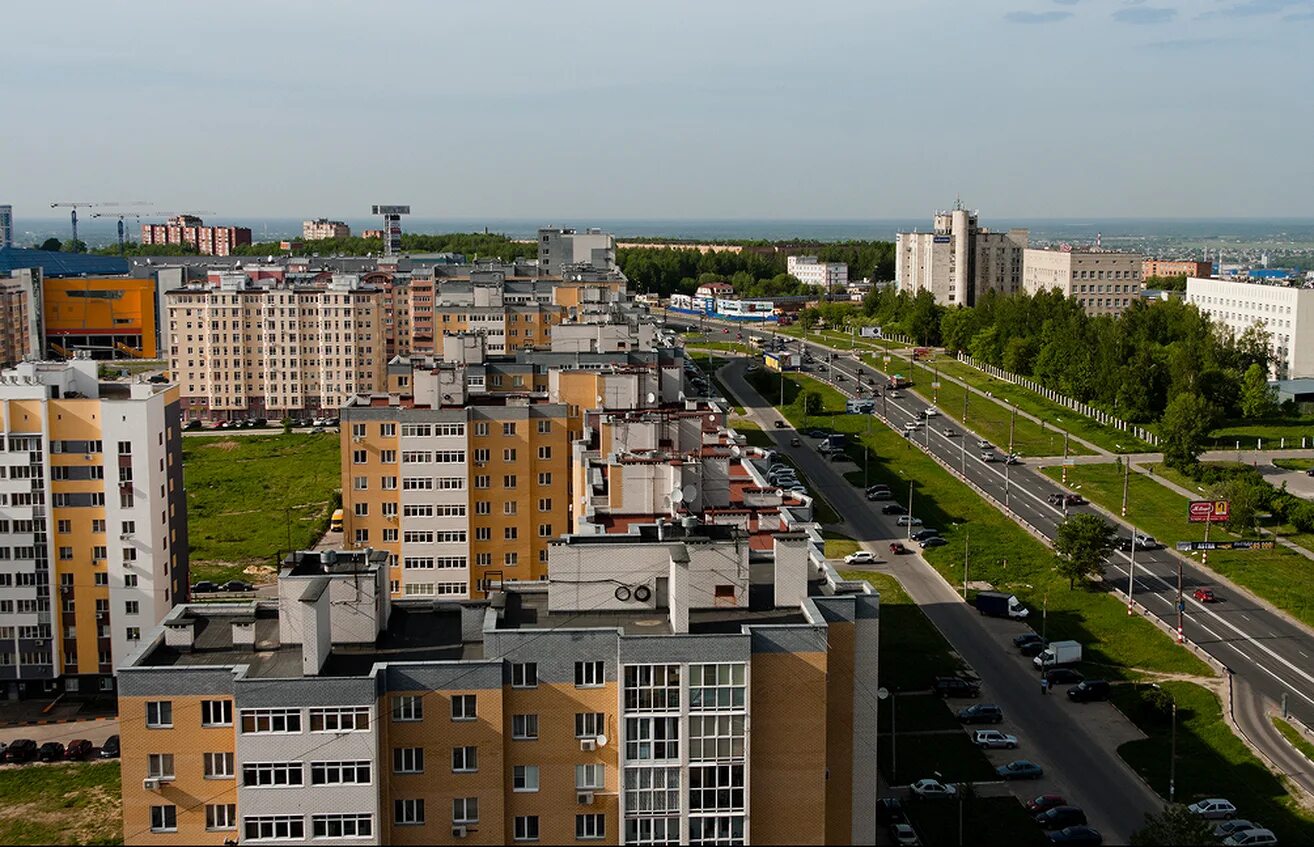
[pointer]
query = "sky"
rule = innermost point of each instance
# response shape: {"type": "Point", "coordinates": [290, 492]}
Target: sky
{"type": "Point", "coordinates": [706, 109]}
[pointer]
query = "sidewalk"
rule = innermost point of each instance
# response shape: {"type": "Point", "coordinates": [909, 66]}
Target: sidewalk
{"type": "Point", "coordinates": [38, 712]}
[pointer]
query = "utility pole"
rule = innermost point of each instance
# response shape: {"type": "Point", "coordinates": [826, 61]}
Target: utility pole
{"type": "Point", "coordinates": [967, 538]}
{"type": "Point", "coordinates": [1012, 425]}
{"type": "Point", "coordinates": [1065, 459]}
{"type": "Point", "coordinates": [866, 454]}
{"type": "Point", "coordinates": [910, 509]}
{"type": "Point", "coordinates": [1131, 573]}
{"type": "Point", "coordinates": [1006, 467]}
{"type": "Point", "coordinates": [1126, 478]}
{"type": "Point", "coordinates": [1172, 758]}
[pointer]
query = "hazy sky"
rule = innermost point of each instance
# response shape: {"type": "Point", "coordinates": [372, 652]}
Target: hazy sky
{"type": "Point", "coordinates": [763, 109]}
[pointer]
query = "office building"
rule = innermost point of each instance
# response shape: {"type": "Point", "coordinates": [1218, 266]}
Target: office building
{"type": "Point", "coordinates": [242, 350]}
{"type": "Point", "coordinates": [192, 231]}
{"type": "Point", "coordinates": [1175, 267]}
{"type": "Point", "coordinates": [959, 260]}
{"type": "Point", "coordinates": [1102, 281]}
{"type": "Point", "coordinates": [671, 687]}
{"type": "Point", "coordinates": [1286, 313]}
{"type": "Point", "coordinates": [560, 248]}
{"type": "Point", "coordinates": [832, 276]}
{"type": "Point", "coordinates": [322, 228]}
{"type": "Point", "coordinates": [6, 227]}
{"type": "Point", "coordinates": [20, 318]}
{"type": "Point", "coordinates": [93, 523]}
{"type": "Point", "coordinates": [103, 317]}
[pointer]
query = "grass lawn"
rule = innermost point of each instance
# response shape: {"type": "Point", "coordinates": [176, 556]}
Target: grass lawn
{"type": "Point", "coordinates": [74, 803]}
{"type": "Point", "coordinates": [1279, 576]}
{"type": "Point", "coordinates": [1211, 760]}
{"type": "Point", "coordinates": [247, 495]}
{"type": "Point", "coordinates": [912, 650]}
{"type": "Point", "coordinates": [1110, 439]}
{"type": "Point", "coordinates": [1294, 464]}
{"type": "Point", "coordinates": [1270, 432]}
{"type": "Point", "coordinates": [985, 821]}
{"type": "Point", "coordinates": [838, 545]}
{"type": "Point", "coordinates": [921, 755]}
{"type": "Point", "coordinates": [1002, 553]}
{"type": "Point", "coordinates": [1294, 738]}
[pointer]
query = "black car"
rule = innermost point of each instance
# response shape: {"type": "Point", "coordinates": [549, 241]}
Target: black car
{"type": "Point", "coordinates": [923, 534]}
{"type": "Point", "coordinates": [1064, 676]}
{"type": "Point", "coordinates": [1076, 835]}
{"type": "Point", "coordinates": [1124, 544]}
{"type": "Point", "coordinates": [981, 713]}
{"type": "Point", "coordinates": [51, 751]}
{"type": "Point", "coordinates": [110, 749]}
{"type": "Point", "coordinates": [1060, 817]}
{"type": "Point", "coordinates": [890, 810]}
{"type": "Point", "coordinates": [204, 587]}
{"type": "Point", "coordinates": [955, 686]}
{"type": "Point", "coordinates": [817, 433]}
{"type": "Point", "coordinates": [893, 509]}
{"type": "Point", "coordinates": [933, 541]}
{"type": "Point", "coordinates": [779, 424]}
{"type": "Point", "coordinates": [78, 749]}
{"type": "Point", "coordinates": [1309, 472]}
{"type": "Point", "coordinates": [1088, 691]}
{"type": "Point", "coordinates": [21, 750]}
{"type": "Point", "coordinates": [1033, 648]}
{"type": "Point", "coordinates": [877, 488]}
{"type": "Point", "coordinates": [238, 585]}
{"type": "Point", "coordinates": [1027, 638]}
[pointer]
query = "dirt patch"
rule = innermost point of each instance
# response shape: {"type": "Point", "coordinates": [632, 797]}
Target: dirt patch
{"type": "Point", "coordinates": [227, 446]}
{"type": "Point", "coordinates": [259, 573]}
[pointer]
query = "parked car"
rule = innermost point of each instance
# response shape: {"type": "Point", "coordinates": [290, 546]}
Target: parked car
{"type": "Point", "coordinates": [20, 750]}
{"type": "Point", "coordinates": [795, 442]}
{"type": "Point", "coordinates": [1227, 829]}
{"type": "Point", "coordinates": [930, 412]}
{"type": "Point", "coordinates": [817, 433]}
{"type": "Point", "coordinates": [908, 520]}
{"type": "Point", "coordinates": [110, 749]}
{"type": "Point", "coordinates": [1074, 500]}
{"type": "Point", "coordinates": [1088, 691]}
{"type": "Point", "coordinates": [924, 533]}
{"type": "Point", "coordinates": [992, 739]}
{"type": "Point", "coordinates": [1020, 769]}
{"type": "Point", "coordinates": [880, 495]}
{"type": "Point", "coordinates": [893, 509]}
{"type": "Point", "coordinates": [1146, 542]}
{"type": "Point", "coordinates": [1124, 544]}
{"type": "Point", "coordinates": [238, 585]}
{"type": "Point", "coordinates": [1036, 805]}
{"type": "Point", "coordinates": [933, 788]}
{"type": "Point", "coordinates": [1060, 817]}
{"type": "Point", "coordinates": [1204, 595]}
{"type": "Point", "coordinates": [779, 424]}
{"type": "Point", "coordinates": [890, 810]}
{"type": "Point", "coordinates": [898, 549]}
{"type": "Point", "coordinates": [78, 750]}
{"type": "Point", "coordinates": [955, 686]}
{"type": "Point", "coordinates": [194, 423]}
{"type": "Point", "coordinates": [981, 713]}
{"type": "Point", "coordinates": [1080, 835]}
{"type": "Point", "coordinates": [1064, 676]}
{"type": "Point", "coordinates": [1251, 838]}
{"type": "Point", "coordinates": [1033, 648]}
{"type": "Point", "coordinates": [51, 751]}
{"type": "Point", "coordinates": [204, 587]}
{"type": "Point", "coordinates": [903, 834]}
{"type": "Point", "coordinates": [1214, 809]}
{"type": "Point", "coordinates": [861, 557]}
{"type": "Point", "coordinates": [1026, 638]}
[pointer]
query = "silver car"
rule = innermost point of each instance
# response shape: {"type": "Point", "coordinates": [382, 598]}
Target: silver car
{"type": "Point", "coordinates": [993, 739]}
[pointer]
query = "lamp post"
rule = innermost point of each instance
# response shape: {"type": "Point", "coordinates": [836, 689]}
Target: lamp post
{"type": "Point", "coordinates": [967, 538]}
{"type": "Point", "coordinates": [1131, 573]}
{"type": "Point", "coordinates": [910, 509]}
{"type": "Point", "coordinates": [1126, 479]}
{"type": "Point", "coordinates": [866, 454]}
{"type": "Point", "coordinates": [1012, 425]}
{"type": "Point", "coordinates": [1172, 758]}
{"type": "Point", "coordinates": [1065, 457]}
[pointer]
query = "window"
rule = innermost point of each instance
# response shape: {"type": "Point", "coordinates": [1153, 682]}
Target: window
{"type": "Point", "coordinates": [407, 707]}
{"type": "Point", "coordinates": [716, 736]}
{"type": "Point", "coordinates": [347, 719]}
{"type": "Point", "coordinates": [164, 818]}
{"type": "Point", "coordinates": [463, 707]}
{"type": "Point", "coordinates": [544, 427]}
{"type": "Point", "coordinates": [590, 826]}
{"type": "Point", "coordinates": [545, 452]}
{"type": "Point", "coordinates": [509, 507]}
{"type": "Point", "coordinates": [652, 738]}
{"type": "Point", "coordinates": [218, 765]}
{"type": "Point", "coordinates": [509, 454]}
{"type": "Point", "coordinates": [408, 760]}
{"type": "Point", "coordinates": [717, 788]}
{"type": "Point", "coordinates": [545, 504]}
{"type": "Point", "coordinates": [160, 765]}
{"type": "Point", "coordinates": [273, 774]}
{"type": "Point", "coordinates": [357, 825]}
{"type": "Point", "coordinates": [590, 724]}
{"type": "Point", "coordinates": [509, 481]}
{"type": "Point", "coordinates": [524, 727]}
{"type": "Point", "coordinates": [545, 479]}
{"type": "Point", "coordinates": [716, 687]}
{"type": "Point", "coordinates": [358, 430]}
{"type": "Point", "coordinates": [340, 773]}
{"type": "Point", "coordinates": [270, 827]}
{"type": "Point", "coordinates": [524, 778]}
{"type": "Point", "coordinates": [509, 428]}
{"type": "Point", "coordinates": [652, 688]}
{"type": "Point", "coordinates": [510, 559]}
{"type": "Point", "coordinates": [270, 721]}
{"type": "Point", "coordinates": [465, 759]}
{"type": "Point", "coordinates": [465, 810]}
{"type": "Point", "coordinates": [524, 675]}
{"type": "Point", "coordinates": [222, 816]}
{"type": "Point", "coordinates": [216, 713]}
{"type": "Point", "coordinates": [589, 675]}
{"type": "Point", "coordinates": [359, 457]}
{"type": "Point", "coordinates": [652, 790]}
{"type": "Point", "coordinates": [526, 828]}
{"type": "Point", "coordinates": [589, 777]}
{"type": "Point", "coordinates": [362, 536]}
{"type": "Point", "coordinates": [159, 714]}
{"type": "Point", "coordinates": [408, 812]}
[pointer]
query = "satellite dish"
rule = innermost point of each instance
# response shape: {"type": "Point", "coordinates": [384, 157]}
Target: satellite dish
{"type": "Point", "coordinates": [711, 418]}
{"type": "Point", "coordinates": [690, 492]}
{"type": "Point", "coordinates": [599, 399]}
{"type": "Point", "coordinates": [652, 398]}
{"type": "Point", "coordinates": [677, 495]}
{"type": "Point", "coordinates": [735, 451]}
{"type": "Point", "coordinates": [602, 741]}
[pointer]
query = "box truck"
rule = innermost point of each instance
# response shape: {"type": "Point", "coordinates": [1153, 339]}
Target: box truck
{"type": "Point", "coordinates": [997, 604]}
{"type": "Point", "coordinates": [1058, 653]}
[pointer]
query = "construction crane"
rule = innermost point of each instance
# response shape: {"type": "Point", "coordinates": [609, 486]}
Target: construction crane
{"type": "Point", "coordinates": [73, 213]}
{"type": "Point", "coordinates": [120, 216]}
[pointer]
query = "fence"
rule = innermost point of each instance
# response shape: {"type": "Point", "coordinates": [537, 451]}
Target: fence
{"type": "Point", "coordinates": [1098, 415]}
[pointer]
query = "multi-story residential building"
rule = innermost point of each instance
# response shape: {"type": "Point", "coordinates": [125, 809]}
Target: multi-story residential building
{"type": "Point", "coordinates": [6, 226]}
{"type": "Point", "coordinates": [1286, 313]}
{"type": "Point", "coordinates": [238, 349]}
{"type": "Point", "coordinates": [660, 691]}
{"type": "Point", "coordinates": [105, 317]}
{"type": "Point", "coordinates": [322, 228]}
{"type": "Point", "coordinates": [192, 231]}
{"type": "Point", "coordinates": [958, 261]}
{"type": "Point", "coordinates": [1102, 281]}
{"type": "Point", "coordinates": [20, 318]}
{"type": "Point", "coordinates": [1174, 267]}
{"type": "Point", "coordinates": [832, 276]}
{"type": "Point", "coordinates": [560, 248]}
{"type": "Point", "coordinates": [93, 523]}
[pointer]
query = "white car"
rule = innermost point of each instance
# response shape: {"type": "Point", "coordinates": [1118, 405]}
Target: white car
{"type": "Point", "coordinates": [1252, 837]}
{"type": "Point", "coordinates": [1215, 808]}
{"type": "Point", "coordinates": [933, 788]}
{"type": "Point", "coordinates": [931, 411]}
{"type": "Point", "coordinates": [993, 739]}
{"type": "Point", "coordinates": [904, 835]}
{"type": "Point", "coordinates": [982, 444]}
{"type": "Point", "coordinates": [862, 557]}
{"type": "Point", "coordinates": [909, 520]}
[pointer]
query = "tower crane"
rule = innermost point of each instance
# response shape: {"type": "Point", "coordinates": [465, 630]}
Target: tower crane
{"type": "Point", "coordinates": [73, 213]}
{"type": "Point", "coordinates": [120, 216]}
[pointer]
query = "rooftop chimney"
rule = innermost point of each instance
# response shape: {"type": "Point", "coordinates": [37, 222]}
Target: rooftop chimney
{"type": "Point", "coordinates": [180, 634]}
{"type": "Point", "coordinates": [678, 590]}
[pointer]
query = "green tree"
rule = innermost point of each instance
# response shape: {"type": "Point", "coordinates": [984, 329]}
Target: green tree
{"type": "Point", "coordinates": [1174, 825]}
{"type": "Point", "coordinates": [812, 404]}
{"type": "Point", "coordinates": [1082, 544]}
{"type": "Point", "coordinates": [1182, 431]}
{"type": "Point", "coordinates": [1258, 398]}
{"type": "Point", "coordinates": [51, 244]}
{"type": "Point", "coordinates": [1246, 496]}
{"type": "Point", "coordinates": [72, 246]}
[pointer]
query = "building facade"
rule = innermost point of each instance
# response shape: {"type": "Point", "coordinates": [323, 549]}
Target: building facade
{"type": "Point", "coordinates": [322, 228]}
{"type": "Point", "coordinates": [958, 261]}
{"type": "Point", "coordinates": [105, 317]}
{"type": "Point", "coordinates": [93, 523]}
{"type": "Point", "coordinates": [1175, 267]}
{"type": "Point", "coordinates": [1286, 313]}
{"type": "Point", "coordinates": [1102, 281]}
{"type": "Point", "coordinates": [6, 226]}
{"type": "Point", "coordinates": [559, 248]}
{"type": "Point", "coordinates": [832, 276]}
{"type": "Point", "coordinates": [20, 319]}
{"type": "Point", "coordinates": [192, 231]}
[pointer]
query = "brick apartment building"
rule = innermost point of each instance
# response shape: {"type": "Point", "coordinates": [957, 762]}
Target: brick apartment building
{"type": "Point", "coordinates": [192, 231]}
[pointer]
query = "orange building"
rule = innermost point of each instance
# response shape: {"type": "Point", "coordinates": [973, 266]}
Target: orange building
{"type": "Point", "coordinates": [1162, 267]}
{"type": "Point", "coordinates": [110, 317]}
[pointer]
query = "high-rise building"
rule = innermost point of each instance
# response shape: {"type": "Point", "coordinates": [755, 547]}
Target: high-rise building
{"type": "Point", "coordinates": [322, 228]}
{"type": "Point", "coordinates": [559, 248]}
{"type": "Point", "coordinates": [6, 227]}
{"type": "Point", "coordinates": [1285, 312]}
{"type": "Point", "coordinates": [958, 261]}
{"type": "Point", "coordinates": [20, 318]}
{"type": "Point", "coordinates": [1102, 281]}
{"type": "Point", "coordinates": [191, 231]}
{"type": "Point", "coordinates": [832, 276]}
{"type": "Point", "coordinates": [93, 522]}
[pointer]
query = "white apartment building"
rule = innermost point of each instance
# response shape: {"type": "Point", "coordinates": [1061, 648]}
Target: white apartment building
{"type": "Point", "coordinates": [1102, 281]}
{"type": "Point", "coordinates": [828, 275]}
{"type": "Point", "coordinates": [558, 247]}
{"type": "Point", "coordinates": [321, 228]}
{"type": "Point", "coordinates": [239, 350]}
{"type": "Point", "coordinates": [958, 260]}
{"type": "Point", "coordinates": [1286, 313]}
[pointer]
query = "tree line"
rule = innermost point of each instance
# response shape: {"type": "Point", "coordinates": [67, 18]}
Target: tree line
{"type": "Point", "coordinates": [666, 271]}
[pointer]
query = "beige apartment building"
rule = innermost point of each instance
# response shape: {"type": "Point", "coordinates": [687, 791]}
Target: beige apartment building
{"type": "Point", "coordinates": [322, 228]}
{"type": "Point", "coordinates": [1102, 281]}
{"type": "Point", "coordinates": [20, 315]}
{"type": "Point", "coordinates": [959, 260]}
{"type": "Point", "coordinates": [241, 350]}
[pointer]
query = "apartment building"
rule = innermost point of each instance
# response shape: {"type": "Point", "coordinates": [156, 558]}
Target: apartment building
{"type": "Point", "coordinates": [1286, 313]}
{"type": "Point", "coordinates": [560, 248]}
{"type": "Point", "coordinates": [192, 231]}
{"type": "Point", "coordinates": [832, 276]}
{"type": "Point", "coordinates": [105, 317]}
{"type": "Point", "coordinates": [1102, 281]}
{"type": "Point", "coordinates": [322, 228]}
{"type": "Point", "coordinates": [6, 226]}
{"type": "Point", "coordinates": [239, 349]}
{"type": "Point", "coordinates": [959, 260]}
{"type": "Point", "coordinates": [628, 703]}
{"type": "Point", "coordinates": [20, 319]}
{"type": "Point", "coordinates": [1175, 267]}
{"type": "Point", "coordinates": [93, 523]}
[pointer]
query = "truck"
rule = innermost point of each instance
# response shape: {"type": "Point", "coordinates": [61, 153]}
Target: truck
{"type": "Point", "coordinates": [833, 443]}
{"type": "Point", "coordinates": [1057, 654]}
{"type": "Point", "coordinates": [997, 604]}
{"type": "Point", "coordinates": [860, 406]}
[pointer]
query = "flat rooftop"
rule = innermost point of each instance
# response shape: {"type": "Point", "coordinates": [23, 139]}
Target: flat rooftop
{"type": "Point", "coordinates": [529, 610]}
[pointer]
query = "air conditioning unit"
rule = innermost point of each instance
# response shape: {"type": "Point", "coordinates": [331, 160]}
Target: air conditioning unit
{"type": "Point", "coordinates": [40, 642]}
{"type": "Point", "coordinates": [127, 536]}
{"type": "Point", "coordinates": [460, 831]}
{"type": "Point", "coordinates": [588, 745]}
{"type": "Point", "coordinates": [584, 798]}
{"type": "Point", "coordinates": [150, 783]}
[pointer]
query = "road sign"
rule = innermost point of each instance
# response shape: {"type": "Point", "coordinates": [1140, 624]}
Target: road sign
{"type": "Point", "coordinates": [935, 385]}
{"type": "Point", "coordinates": [1192, 546]}
{"type": "Point", "coordinates": [1208, 511]}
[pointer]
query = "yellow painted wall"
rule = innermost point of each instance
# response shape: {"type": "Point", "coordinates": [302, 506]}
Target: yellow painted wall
{"type": "Point", "coordinates": [131, 312]}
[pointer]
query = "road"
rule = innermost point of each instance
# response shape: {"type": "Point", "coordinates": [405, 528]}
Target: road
{"type": "Point", "coordinates": [1075, 751]}
{"type": "Point", "coordinates": [1268, 654]}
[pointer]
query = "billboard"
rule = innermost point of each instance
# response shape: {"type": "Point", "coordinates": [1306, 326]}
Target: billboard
{"type": "Point", "coordinates": [392, 210]}
{"type": "Point", "coordinates": [871, 332]}
{"type": "Point", "coordinates": [1208, 511]}
{"type": "Point", "coordinates": [1188, 546]}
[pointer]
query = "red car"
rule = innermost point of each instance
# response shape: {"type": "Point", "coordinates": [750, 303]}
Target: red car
{"type": "Point", "coordinates": [1044, 802]}
{"type": "Point", "coordinates": [78, 750]}
{"type": "Point", "coordinates": [1204, 595]}
{"type": "Point", "coordinates": [896, 547]}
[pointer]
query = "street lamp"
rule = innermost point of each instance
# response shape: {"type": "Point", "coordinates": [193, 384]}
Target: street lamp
{"type": "Point", "coordinates": [1131, 573]}
{"type": "Point", "coordinates": [883, 693]}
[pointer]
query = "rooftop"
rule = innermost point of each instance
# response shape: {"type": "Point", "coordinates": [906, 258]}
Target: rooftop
{"type": "Point", "coordinates": [529, 610]}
